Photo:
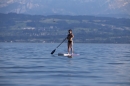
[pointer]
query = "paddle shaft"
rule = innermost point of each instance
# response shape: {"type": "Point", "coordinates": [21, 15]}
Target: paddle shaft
{"type": "Point", "coordinates": [61, 43]}
{"type": "Point", "coordinates": [58, 46]}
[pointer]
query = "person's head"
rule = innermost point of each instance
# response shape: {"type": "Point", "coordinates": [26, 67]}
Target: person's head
{"type": "Point", "coordinates": [70, 31]}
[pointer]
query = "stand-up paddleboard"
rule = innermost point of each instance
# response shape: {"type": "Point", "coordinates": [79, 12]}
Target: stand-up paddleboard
{"type": "Point", "coordinates": [66, 54]}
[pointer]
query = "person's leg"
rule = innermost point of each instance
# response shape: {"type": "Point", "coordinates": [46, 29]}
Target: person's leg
{"type": "Point", "coordinates": [68, 47]}
{"type": "Point", "coordinates": [71, 47]}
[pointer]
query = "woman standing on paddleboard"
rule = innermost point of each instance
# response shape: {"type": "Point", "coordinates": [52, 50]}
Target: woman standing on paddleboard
{"type": "Point", "coordinates": [70, 41]}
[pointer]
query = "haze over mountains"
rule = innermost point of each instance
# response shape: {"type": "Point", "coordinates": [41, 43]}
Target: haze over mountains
{"type": "Point", "coordinates": [118, 8]}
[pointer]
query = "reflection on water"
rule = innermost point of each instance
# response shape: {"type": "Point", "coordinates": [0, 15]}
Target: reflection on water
{"type": "Point", "coordinates": [24, 64]}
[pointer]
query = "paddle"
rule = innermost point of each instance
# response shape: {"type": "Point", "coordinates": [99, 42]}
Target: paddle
{"type": "Point", "coordinates": [58, 46]}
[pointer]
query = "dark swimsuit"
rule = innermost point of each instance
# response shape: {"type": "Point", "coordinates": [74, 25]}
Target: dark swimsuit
{"type": "Point", "coordinates": [69, 41]}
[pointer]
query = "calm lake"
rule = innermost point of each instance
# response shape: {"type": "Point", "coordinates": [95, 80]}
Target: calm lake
{"type": "Point", "coordinates": [31, 64]}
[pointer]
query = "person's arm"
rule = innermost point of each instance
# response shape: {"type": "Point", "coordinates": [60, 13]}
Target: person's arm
{"type": "Point", "coordinates": [67, 36]}
{"type": "Point", "coordinates": [72, 35]}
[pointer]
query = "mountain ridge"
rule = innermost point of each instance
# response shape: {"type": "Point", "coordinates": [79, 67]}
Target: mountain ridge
{"type": "Point", "coordinates": [63, 7]}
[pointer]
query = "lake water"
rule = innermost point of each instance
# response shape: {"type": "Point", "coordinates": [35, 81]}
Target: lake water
{"type": "Point", "coordinates": [31, 64]}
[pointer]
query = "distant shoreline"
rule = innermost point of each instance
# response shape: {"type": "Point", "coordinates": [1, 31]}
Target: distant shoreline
{"type": "Point", "coordinates": [87, 29]}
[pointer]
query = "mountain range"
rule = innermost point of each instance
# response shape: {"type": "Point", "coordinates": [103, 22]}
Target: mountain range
{"type": "Point", "coordinates": [114, 8]}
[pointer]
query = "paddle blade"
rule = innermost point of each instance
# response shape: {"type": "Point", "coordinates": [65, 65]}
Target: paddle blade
{"type": "Point", "coordinates": [53, 51]}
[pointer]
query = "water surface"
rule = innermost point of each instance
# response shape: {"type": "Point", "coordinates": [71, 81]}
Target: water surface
{"type": "Point", "coordinates": [31, 64]}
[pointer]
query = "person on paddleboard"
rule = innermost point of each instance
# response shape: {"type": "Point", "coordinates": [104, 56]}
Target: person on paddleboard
{"type": "Point", "coordinates": [70, 37]}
